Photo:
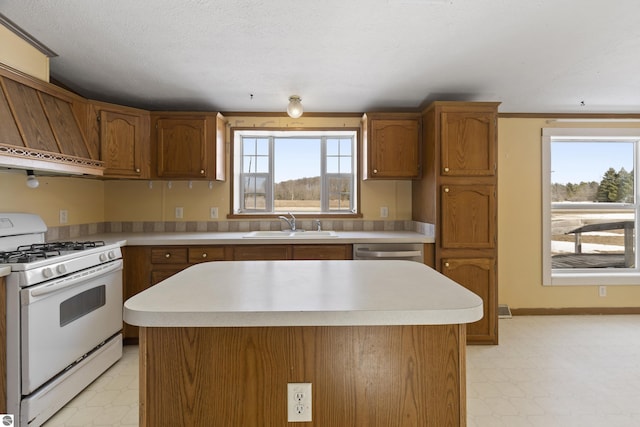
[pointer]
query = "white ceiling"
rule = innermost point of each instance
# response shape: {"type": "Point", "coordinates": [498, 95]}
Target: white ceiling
{"type": "Point", "coordinates": [343, 55]}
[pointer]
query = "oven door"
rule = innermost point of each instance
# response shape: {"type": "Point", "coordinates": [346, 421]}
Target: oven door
{"type": "Point", "coordinates": [64, 319]}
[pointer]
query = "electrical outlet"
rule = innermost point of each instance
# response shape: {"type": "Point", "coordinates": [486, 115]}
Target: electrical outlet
{"type": "Point", "coordinates": [64, 216]}
{"type": "Point", "coordinates": [384, 212]}
{"type": "Point", "coordinates": [602, 291]}
{"type": "Point", "coordinates": [213, 214]}
{"type": "Point", "coordinates": [179, 213]}
{"type": "Point", "coordinates": [299, 402]}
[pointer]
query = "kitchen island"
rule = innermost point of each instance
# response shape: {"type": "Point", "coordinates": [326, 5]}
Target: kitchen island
{"type": "Point", "coordinates": [381, 342]}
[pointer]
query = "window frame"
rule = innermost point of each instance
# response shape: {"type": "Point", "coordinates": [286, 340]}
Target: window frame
{"type": "Point", "coordinates": [560, 277]}
{"type": "Point", "coordinates": [236, 169]}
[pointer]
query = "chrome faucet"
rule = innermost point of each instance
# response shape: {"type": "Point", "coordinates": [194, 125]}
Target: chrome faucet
{"type": "Point", "coordinates": [290, 222]}
{"type": "Point", "coordinates": [318, 224]}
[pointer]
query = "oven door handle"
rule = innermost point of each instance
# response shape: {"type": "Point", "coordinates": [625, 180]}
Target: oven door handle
{"type": "Point", "coordinates": [365, 253]}
{"type": "Point", "coordinates": [76, 279]}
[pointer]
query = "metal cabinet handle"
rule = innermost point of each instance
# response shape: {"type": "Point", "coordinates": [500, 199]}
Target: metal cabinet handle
{"type": "Point", "coordinates": [137, 170]}
{"type": "Point", "coordinates": [446, 189]}
{"type": "Point", "coordinates": [204, 255]}
{"type": "Point", "coordinates": [446, 264]}
{"type": "Point", "coordinates": [375, 171]}
{"type": "Point", "coordinates": [201, 171]}
{"type": "Point", "coordinates": [446, 169]}
{"type": "Point", "coordinates": [167, 255]}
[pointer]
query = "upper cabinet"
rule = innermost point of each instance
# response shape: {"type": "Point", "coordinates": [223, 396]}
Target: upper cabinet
{"type": "Point", "coordinates": [121, 136]}
{"type": "Point", "coordinates": [391, 146]}
{"type": "Point", "coordinates": [40, 127]}
{"type": "Point", "coordinates": [468, 143]}
{"type": "Point", "coordinates": [188, 145]}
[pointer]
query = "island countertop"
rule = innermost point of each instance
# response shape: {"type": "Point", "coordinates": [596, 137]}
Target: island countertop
{"type": "Point", "coordinates": [304, 293]}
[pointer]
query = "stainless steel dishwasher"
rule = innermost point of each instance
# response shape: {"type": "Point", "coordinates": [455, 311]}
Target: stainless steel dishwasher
{"type": "Point", "coordinates": [397, 251]}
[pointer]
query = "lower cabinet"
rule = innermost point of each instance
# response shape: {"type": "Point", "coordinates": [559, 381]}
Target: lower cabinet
{"type": "Point", "coordinates": [144, 266]}
{"type": "Point", "coordinates": [479, 276]}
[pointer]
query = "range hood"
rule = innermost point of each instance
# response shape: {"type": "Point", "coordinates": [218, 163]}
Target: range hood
{"type": "Point", "coordinates": [42, 127]}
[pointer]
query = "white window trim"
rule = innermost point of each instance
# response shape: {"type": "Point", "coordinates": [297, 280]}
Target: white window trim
{"type": "Point", "coordinates": [237, 166]}
{"type": "Point", "coordinates": [582, 277]}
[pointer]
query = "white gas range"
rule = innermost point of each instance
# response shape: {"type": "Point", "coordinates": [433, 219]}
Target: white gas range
{"type": "Point", "coordinates": [64, 316]}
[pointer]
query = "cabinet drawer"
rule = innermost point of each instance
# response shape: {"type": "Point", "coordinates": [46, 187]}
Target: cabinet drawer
{"type": "Point", "coordinates": [169, 255]}
{"type": "Point", "coordinates": [322, 252]}
{"type": "Point", "coordinates": [206, 254]}
{"type": "Point", "coordinates": [261, 252]}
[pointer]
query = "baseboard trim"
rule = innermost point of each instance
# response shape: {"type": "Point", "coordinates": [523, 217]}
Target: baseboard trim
{"type": "Point", "coordinates": [573, 311]}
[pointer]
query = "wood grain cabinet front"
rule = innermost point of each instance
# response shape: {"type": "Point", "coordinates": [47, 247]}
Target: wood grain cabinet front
{"type": "Point", "coordinates": [42, 127]}
{"type": "Point", "coordinates": [122, 137]}
{"type": "Point", "coordinates": [189, 146]}
{"type": "Point", "coordinates": [458, 193]}
{"type": "Point", "coordinates": [322, 252]}
{"type": "Point", "coordinates": [478, 275]}
{"type": "Point", "coordinates": [391, 146]}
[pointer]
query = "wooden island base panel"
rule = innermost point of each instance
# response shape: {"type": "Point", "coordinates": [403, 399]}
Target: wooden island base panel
{"type": "Point", "coordinates": [382, 344]}
{"type": "Point", "coordinates": [369, 376]}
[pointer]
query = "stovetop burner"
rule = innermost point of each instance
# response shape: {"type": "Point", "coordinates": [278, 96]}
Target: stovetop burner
{"type": "Point", "coordinates": [38, 251]}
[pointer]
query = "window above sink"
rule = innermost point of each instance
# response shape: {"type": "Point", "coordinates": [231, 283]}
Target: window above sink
{"type": "Point", "coordinates": [302, 171]}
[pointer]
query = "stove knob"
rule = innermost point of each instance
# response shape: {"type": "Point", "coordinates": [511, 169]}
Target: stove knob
{"type": "Point", "coordinates": [112, 255]}
{"type": "Point", "coordinates": [61, 269]}
{"type": "Point", "coordinates": [102, 257]}
{"type": "Point", "coordinates": [47, 272]}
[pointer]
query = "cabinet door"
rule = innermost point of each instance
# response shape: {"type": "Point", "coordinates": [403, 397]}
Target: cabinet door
{"type": "Point", "coordinates": [468, 144]}
{"type": "Point", "coordinates": [122, 144]}
{"type": "Point", "coordinates": [477, 275]}
{"type": "Point", "coordinates": [468, 216]}
{"type": "Point", "coordinates": [322, 252]}
{"type": "Point", "coordinates": [182, 150]}
{"type": "Point", "coordinates": [261, 252]}
{"type": "Point", "coordinates": [394, 147]}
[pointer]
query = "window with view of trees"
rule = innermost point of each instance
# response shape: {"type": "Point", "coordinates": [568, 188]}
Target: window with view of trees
{"type": "Point", "coordinates": [590, 205]}
{"type": "Point", "coordinates": [294, 171]}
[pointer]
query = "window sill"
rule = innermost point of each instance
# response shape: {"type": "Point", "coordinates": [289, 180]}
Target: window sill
{"type": "Point", "coordinates": [594, 279]}
{"type": "Point", "coordinates": [298, 215]}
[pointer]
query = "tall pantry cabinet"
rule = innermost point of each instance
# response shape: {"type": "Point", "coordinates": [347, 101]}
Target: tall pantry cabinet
{"type": "Point", "coordinates": [458, 193]}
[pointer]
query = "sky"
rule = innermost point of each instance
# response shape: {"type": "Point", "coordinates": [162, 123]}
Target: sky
{"type": "Point", "coordinates": [588, 161]}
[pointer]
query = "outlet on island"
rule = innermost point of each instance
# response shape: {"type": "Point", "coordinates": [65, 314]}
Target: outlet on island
{"type": "Point", "coordinates": [299, 402]}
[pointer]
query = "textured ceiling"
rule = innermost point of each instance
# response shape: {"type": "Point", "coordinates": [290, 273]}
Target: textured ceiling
{"type": "Point", "coordinates": [343, 55]}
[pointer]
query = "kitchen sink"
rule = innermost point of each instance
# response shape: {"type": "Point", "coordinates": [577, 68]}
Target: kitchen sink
{"type": "Point", "coordinates": [288, 234]}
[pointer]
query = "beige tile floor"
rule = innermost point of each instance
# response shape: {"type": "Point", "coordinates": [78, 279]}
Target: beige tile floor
{"type": "Point", "coordinates": [548, 371]}
{"type": "Point", "coordinates": [111, 400]}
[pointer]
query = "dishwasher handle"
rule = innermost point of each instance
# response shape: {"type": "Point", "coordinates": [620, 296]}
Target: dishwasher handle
{"type": "Point", "coordinates": [366, 253]}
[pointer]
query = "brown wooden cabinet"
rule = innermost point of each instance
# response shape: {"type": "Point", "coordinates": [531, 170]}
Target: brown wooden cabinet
{"type": "Point", "coordinates": [261, 252]}
{"type": "Point", "coordinates": [391, 146]}
{"type": "Point", "coordinates": [479, 276]}
{"type": "Point", "coordinates": [458, 193]}
{"type": "Point", "coordinates": [121, 135]}
{"type": "Point", "coordinates": [322, 252]}
{"type": "Point", "coordinates": [189, 145]}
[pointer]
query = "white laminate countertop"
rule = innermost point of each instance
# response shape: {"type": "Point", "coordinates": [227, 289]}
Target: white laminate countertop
{"type": "Point", "coordinates": [4, 270]}
{"type": "Point", "coordinates": [304, 293]}
{"type": "Point", "coordinates": [237, 238]}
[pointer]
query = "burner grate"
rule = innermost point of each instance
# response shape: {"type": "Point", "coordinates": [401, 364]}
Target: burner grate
{"type": "Point", "coordinates": [38, 251]}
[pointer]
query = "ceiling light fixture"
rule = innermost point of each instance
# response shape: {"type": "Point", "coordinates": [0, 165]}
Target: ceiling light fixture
{"type": "Point", "coordinates": [32, 181]}
{"type": "Point", "coordinates": [294, 109]}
